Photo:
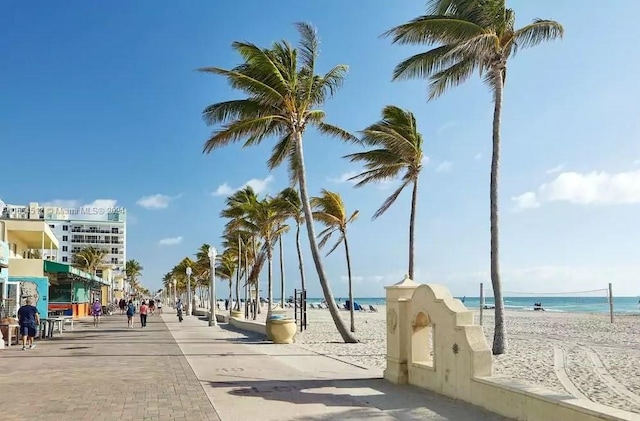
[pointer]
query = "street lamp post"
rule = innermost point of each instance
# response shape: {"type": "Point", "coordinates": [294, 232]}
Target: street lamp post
{"type": "Point", "coordinates": [213, 321]}
{"type": "Point", "coordinates": [175, 294]}
{"type": "Point", "coordinates": [189, 272]}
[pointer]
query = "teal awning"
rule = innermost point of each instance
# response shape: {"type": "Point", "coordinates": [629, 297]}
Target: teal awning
{"type": "Point", "coordinates": [55, 267]}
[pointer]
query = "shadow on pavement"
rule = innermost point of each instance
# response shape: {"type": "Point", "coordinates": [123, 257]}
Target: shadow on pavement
{"type": "Point", "coordinates": [403, 402]}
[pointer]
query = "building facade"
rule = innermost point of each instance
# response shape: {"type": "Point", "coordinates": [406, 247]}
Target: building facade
{"type": "Point", "coordinates": [76, 228]}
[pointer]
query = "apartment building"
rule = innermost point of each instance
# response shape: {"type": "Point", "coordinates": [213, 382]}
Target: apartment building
{"type": "Point", "coordinates": [78, 228]}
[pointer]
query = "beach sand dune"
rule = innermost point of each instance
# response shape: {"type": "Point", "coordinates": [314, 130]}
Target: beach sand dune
{"type": "Point", "coordinates": [594, 358]}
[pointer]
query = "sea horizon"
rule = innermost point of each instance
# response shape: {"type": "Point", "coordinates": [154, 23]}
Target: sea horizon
{"type": "Point", "coordinates": [558, 304]}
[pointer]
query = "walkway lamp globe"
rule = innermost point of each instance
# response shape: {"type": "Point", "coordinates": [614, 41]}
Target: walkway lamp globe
{"type": "Point", "coordinates": [189, 307]}
{"type": "Point", "coordinates": [213, 321]}
{"type": "Point", "coordinates": [175, 294]}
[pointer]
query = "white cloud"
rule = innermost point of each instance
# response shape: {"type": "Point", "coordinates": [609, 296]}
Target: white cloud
{"type": "Point", "coordinates": [557, 168]}
{"type": "Point", "coordinates": [344, 178]}
{"type": "Point", "coordinates": [444, 166]}
{"type": "Point", "coordinates": [357, 279]}
{"type": "Point", "coordinates": [170, 241]}
{"type": "Point", "coordinates": [77, 209]}
{"type": "Point", "coordinates": [594, 188]}
{"type": "Point", "coordinates": [257, 184]}
{"type": "Point", "coordinates": [445, 127]}
{"type": "Point", "coordinates": [155, 201]}
{"type": "Point", "coordinates": [477, 156]}
{"type": "Point", "coordinates": [526, 201]}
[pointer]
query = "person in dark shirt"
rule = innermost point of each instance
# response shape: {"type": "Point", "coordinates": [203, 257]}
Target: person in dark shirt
{"type": "Point", "coordinates": [29, 319]}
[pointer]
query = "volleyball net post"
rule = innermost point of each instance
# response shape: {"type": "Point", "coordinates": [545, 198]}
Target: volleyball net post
{"type": "Point", "coordinates": [481, 301]}
{"type": "Point", "coordinates": [611, 301]}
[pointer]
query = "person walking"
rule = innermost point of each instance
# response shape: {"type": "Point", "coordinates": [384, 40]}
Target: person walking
{"type": "Point", "coordinates": [96, 310]}
{"type": "Point", "coordinates": [179, 309]}
{"type": "Point", "coordinates": [29, 319]}
{"type": "Point", "coordinates": [160, 306]}
{"type": "Point", "coordinates": [131, 310]}
{"type": "Point", "coordinates": [144, 310]}
{"type": "Point", "coordinates": [122, 304]}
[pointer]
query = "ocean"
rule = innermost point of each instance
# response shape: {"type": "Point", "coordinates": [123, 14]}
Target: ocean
{"type": "Point", "coordinates": [628, 305]}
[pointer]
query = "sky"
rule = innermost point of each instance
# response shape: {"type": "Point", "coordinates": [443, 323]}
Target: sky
{"type": "Point", "coordinates": [101, 102]}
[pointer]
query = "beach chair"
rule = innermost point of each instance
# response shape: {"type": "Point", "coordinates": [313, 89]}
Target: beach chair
{"type": "Point", "coordinates": [312, 306]}
{"type": "Point", "coordinates": [372, 308]}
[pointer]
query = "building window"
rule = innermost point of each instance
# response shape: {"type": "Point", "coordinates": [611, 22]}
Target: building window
{"type": "Point", "coordinates": [64, 259]}
{"type": "Point", "coordinates": [65, 238]}
{"type": "Point", "coordinates": [114, 250]}
{"type": "Point", "coordinates": [65, 228]}
{"type": "Point", "coordinates": [114, 230]}
{"type": "Point", "coordinates": [114, 260]}
{"type": "Point", "coordinates": [64, 248]}
{"type": "Point", "coordinates": [52, 226]}
{"type": "Point", "coordinates": [99, 273]}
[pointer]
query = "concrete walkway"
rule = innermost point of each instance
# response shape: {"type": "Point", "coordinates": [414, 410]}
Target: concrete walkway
{"type": "Point", "coordinates": [248, 378]}
{"type": "Point", "coordinates": [175, 371]}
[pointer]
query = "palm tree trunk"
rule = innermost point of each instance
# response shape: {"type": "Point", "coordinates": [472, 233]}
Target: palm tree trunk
{"type": "Point", "coordinates": [230, 294]}
{"type": "Point", "coordinates": [258, 309]}
{"type": "Point", "coordinates": [499, 336]}
{"type": "Point", "coordinates": [300, 262]}
{"type": "Point", "coordinates": [346, 251]}
{"type": "Point", "coordinates": [236, 306]}
{"type": "Point", "coordinates": [281, 272]}
{"type": "Point", "coordinates": [269, 277]}
{"type": "Point", "coordinates": [315, 252]}
{"type": "Point", "coordinates": [412, 228]}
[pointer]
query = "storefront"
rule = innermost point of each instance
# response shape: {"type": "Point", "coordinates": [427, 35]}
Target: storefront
{"type": "Point", "coordinates": [72, 291]}
{"type": "Point", "coordinates": [5, 304]}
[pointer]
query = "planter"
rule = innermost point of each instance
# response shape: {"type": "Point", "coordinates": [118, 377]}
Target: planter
{"type": "Point", "coordinates": [272, 314]}
{"type": "Point", "coordinates": [281, 331]}
{"type": "Point", "coordinates": [237, 314]}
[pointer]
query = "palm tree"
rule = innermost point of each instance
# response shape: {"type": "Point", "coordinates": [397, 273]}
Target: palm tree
{"type": "Point", "coordinates": [329, 209]}
{"type": "Point", "coordinates": [265, 220]}
{"type": "Point", "coordinates": [397, 149]}
{"type": "Point", "coordinates": [133, 270]}
{"type": "Point", "coordinates": [226, 267]}
{"type": "Point", "coordinates": [291, 207]}
{"type": "Point", "coordinates": [472, 36]}
{"type": "Point", "coordinates": [89, 259]}
{"type": "Point", "coordinates": [202, 268]}
{"type": "Point", "coordinates": [283, 93]}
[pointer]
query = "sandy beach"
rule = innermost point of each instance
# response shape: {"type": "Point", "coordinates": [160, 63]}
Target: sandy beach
{"type": "Point", "coordinates": [600, 359]}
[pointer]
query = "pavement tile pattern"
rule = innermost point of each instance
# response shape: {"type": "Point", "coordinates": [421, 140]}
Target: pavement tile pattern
{"type": "Point", "coordinates": [102, 373]}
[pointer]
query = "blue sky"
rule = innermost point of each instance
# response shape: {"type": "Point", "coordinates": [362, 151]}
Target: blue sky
{"type": "Point", "coordinates": [100, 101]}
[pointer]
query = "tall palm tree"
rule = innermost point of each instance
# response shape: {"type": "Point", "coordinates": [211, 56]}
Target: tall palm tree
{"type": "Point", "coordinates": [89, 259]}
{"type": "Point", "coordinates": [472, 35]}
{"type": "Point", "coordinates": [283, 93]}
{"type": "Point", "coordinates": [133, 269]}
{"type": "Point", "coordinates": [329, 209]}
{"type": "Point", "coordinates": [397, 149]}
{"type": "Point", "coordinates": [289, 199]}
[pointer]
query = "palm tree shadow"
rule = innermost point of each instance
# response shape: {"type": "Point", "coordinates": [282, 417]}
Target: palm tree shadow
{"type": "Point", "coordinates": [361, 399]}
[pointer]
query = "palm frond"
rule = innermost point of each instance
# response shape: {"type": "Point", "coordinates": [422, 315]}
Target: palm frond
{"type": "Point", "coordinates": [433, 29]}
{"type": "Point", "coordinates": [390, 200]}
{"type": "Point", "coordinates": [539, 31]}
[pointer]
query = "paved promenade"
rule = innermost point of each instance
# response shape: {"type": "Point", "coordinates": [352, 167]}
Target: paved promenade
{"type": "Point", "coordinates": [174, 371]}
{"type": "Point", "coordinates": [102, 374]}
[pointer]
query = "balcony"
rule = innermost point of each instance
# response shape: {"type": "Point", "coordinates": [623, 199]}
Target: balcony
{"type": "Point", "coordinates": [24, 235]}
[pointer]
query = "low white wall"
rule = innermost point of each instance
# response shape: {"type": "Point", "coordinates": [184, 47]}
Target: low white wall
{"type": "Point", "coordinates": [249, 325]}
{"type": "Point", "coordinates": [531, 403]}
